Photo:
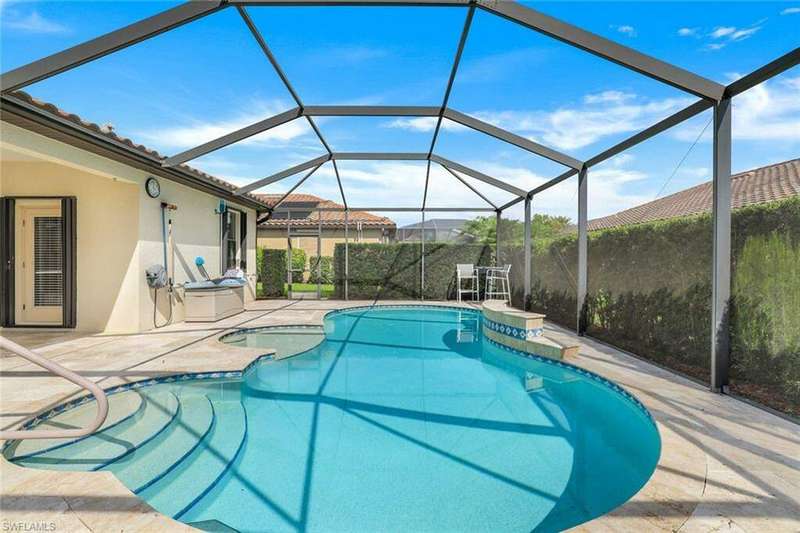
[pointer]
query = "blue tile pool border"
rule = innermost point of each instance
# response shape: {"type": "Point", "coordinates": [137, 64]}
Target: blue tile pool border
{"type": "Point", "coordinates": [237, 374]}
{"type": "Point", "coordinates": [511, 331]}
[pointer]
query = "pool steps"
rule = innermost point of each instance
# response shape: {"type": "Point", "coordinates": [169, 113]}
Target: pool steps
{"type": "Point", "coordinates": [112, 444]}
{"type": "Point", "coordinates": [174, 494]}
{"type": "Point", "coordinates": [121, 407]}
{"type": "Point", "coordinates": [171, 450]}
{"type": "Point", "coordinates": [146, 465]}
{"type": "Point", "coordinates": [521, 330]}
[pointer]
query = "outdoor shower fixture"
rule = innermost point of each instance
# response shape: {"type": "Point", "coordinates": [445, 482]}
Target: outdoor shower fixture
{"type": "Point", "coordinates": [158, 275]}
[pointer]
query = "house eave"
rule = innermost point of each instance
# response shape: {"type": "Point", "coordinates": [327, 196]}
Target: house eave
{"type": "Point", "coordinates": [19, 113]}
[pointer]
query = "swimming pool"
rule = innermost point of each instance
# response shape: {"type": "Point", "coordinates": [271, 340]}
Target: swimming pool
{"type": "Point", "coordinates": [403, 418]}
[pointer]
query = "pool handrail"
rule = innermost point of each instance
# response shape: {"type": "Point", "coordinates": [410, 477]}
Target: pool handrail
{"type": "Point", "coordinates": [55, 368]}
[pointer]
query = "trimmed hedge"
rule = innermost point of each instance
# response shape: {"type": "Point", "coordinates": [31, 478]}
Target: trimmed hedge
{"type": "Point", "coordinates": [392, 271]}
{"type": "Point", "coordinates": [272, 272]}
{"type": "Point", "coordinates": [298, 260]}
{"type": "Point", "coordinates": [326, 272]}
{"type": "Point", "coordinates": [650, 293]}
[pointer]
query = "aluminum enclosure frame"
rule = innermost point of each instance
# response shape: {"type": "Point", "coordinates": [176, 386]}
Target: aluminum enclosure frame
{"type": "Point", "coordinates": [712, 96]}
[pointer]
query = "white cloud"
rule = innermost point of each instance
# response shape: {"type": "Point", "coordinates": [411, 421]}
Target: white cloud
{"type": "Point", "coordinates": [183, 137]}
{"type": "Point", "coordinates": [722, 31]}
{"type": "Point", "coordinates": [724, 35]}
{"type": "Point", "coordinates": [740, 35]}
{"type": "Point", "coordinates": [603, 114]}
{"type": "Point", "coordinates": [767, 112]}
{"type": "Point", "coordinates": [608, 96]}
{"type": "Point", "coordinates": [625, 29]}
{"type": "Point", "coordinates": [423, 124]}
{"type": "Point", "coordinates": [790, 11]}
{"type": "Point", "coordinates": [32, 22]}
{"type": "Point", "coordinates": [572, 128]}
{"type": "Point", "coordinates": [688, 32]}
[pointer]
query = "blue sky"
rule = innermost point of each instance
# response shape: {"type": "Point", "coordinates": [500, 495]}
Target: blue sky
{"type": "Point", "coordinates": [208, 78]}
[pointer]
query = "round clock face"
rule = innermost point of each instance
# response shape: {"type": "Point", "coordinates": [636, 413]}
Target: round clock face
{"type": "Point", "coordinates": [153, 187]}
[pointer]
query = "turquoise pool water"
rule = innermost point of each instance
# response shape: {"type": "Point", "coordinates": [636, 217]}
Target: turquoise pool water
{"type": "Point", "coordinates": [402, 419]}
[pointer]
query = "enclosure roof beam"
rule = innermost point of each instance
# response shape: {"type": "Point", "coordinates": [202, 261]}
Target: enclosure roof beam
{"type": "Point", "coordinates": [456, 60]}
{"type": "Point", "coordinates": [605, 48]}
{"type": "Point", "coordinates": [370, 111]}
{"type": "Point", "coordinates": [294, 187]}
{"type": "Point", "coordinates": [339, 182]}
{"type": "Point", "coordinates": [394, 209]}
{"type": "Point", "coordinates": [663, 125]}
{"type": "Point", "coordinates": [380, 156]}
{"type": "Point", "coordinates": [427, 180]}
{"type": "Point", "coordinates": [353, 3]}
{"type": "Point", "coordinates": [233, 137]}
{"type": "Point", "coordinates": [760, 75]}
{"type": "Point", "coordinates": [479, 175]}
{"type": "Point", "coordinates": [262, 43]}
{"type": "Point", "coordinates": [470, 187]}
{"type": "Point", "coordinates": [555, 181]}
{"type": "Point", "coordinates": [282, 174]}
{"type": "Point", "coordinates": [511, 138]}
{"type": "Point", "coordinates": [543, 187]}
{"type": "Point", "coordinates": [106, 44]}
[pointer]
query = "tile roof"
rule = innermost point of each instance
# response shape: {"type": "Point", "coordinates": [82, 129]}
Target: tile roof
{"type": "Point", "coordinates": [113, 136]}
{"type": "Point", "coordinates": [329, 218]}
{"type": "Point", "coordinates": [765, 184]}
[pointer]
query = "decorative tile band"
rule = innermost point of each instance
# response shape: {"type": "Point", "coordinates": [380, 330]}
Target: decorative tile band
{"type": "Point", "coordinates": [583, 372]}
{"type": "Point", "coordinates": [511, 331]}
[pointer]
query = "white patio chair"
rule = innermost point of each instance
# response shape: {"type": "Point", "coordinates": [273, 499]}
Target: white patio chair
{"type": "Point", "coordinates": [466, 272]}
{"type": "Point", "coordinates": [498, 285]}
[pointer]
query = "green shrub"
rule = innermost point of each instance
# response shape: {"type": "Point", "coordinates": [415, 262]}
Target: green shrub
{"type": "Point", "coordinates": [326, 270]}
{"type": "Point", "coordinates": [272, 272]}
{"type": "Point", "coordinates": [298, 260]}
{"type": "Point", "coordinates": [392, 271]}
{"type": "Point", "coordinates": [650, 293]}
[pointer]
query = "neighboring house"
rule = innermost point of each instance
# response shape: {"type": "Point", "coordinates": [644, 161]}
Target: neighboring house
{"type": "Point", "coordinates": [79, 228]}
{"type": "Point", "coordinates": [765, 184]}
{"type": "Point", "coordinates": [436, 230]}
{"type": "Point", "coordinates": [297, 219]}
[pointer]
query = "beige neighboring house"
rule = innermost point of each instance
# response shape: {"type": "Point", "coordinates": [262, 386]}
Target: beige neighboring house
{"type": "Point", "coordinates": [764, 184]}
{"type": "Point", "coordinates": [301, 224]}
{"type": "Point", "coordinates": [80, 222]}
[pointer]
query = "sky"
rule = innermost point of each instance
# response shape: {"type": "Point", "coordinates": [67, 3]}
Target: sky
{"type": "Point", "coordinates": [208, 78]}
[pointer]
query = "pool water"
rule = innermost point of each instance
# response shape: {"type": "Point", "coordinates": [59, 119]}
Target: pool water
{"type": "Point", "coordinates": [284, 340]}
{"type": "Point", "coordinates": [402, 419]}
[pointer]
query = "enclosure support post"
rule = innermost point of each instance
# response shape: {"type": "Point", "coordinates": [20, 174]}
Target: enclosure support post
{"type": "Point", "coordinates": [721, 258]}
{"type": "Point", "coordinates": [583, 249]}
{"type": "Point", "coordinates": [526, 243]}
{"type": "Point", "coordinates": [497, 238]}
{"type": "Point", "coordinates": [319, 256]}
{"type": "Point", "coordinates": [346, 254]}
{"type": "Point", "coordinates": [289, 254]}
{"type": "Point", "coordinates": [422, 261]}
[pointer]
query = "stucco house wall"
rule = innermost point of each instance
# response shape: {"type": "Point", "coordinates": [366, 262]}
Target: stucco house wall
{"type": "Point", "coordinates": [276, 239]}
{"type": "Point", "coordinates": [119, 228]}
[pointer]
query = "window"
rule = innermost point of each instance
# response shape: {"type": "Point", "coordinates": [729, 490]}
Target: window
{"type": "Point", "coordinates": [232, 239]}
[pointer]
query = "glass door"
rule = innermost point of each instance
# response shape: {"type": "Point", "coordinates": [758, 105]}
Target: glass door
{"type": "Point", "coordinates": [39, 274]}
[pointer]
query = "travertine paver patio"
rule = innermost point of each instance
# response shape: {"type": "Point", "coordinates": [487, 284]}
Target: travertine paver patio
{"type": "Point", "coordinates": [725, 464]}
